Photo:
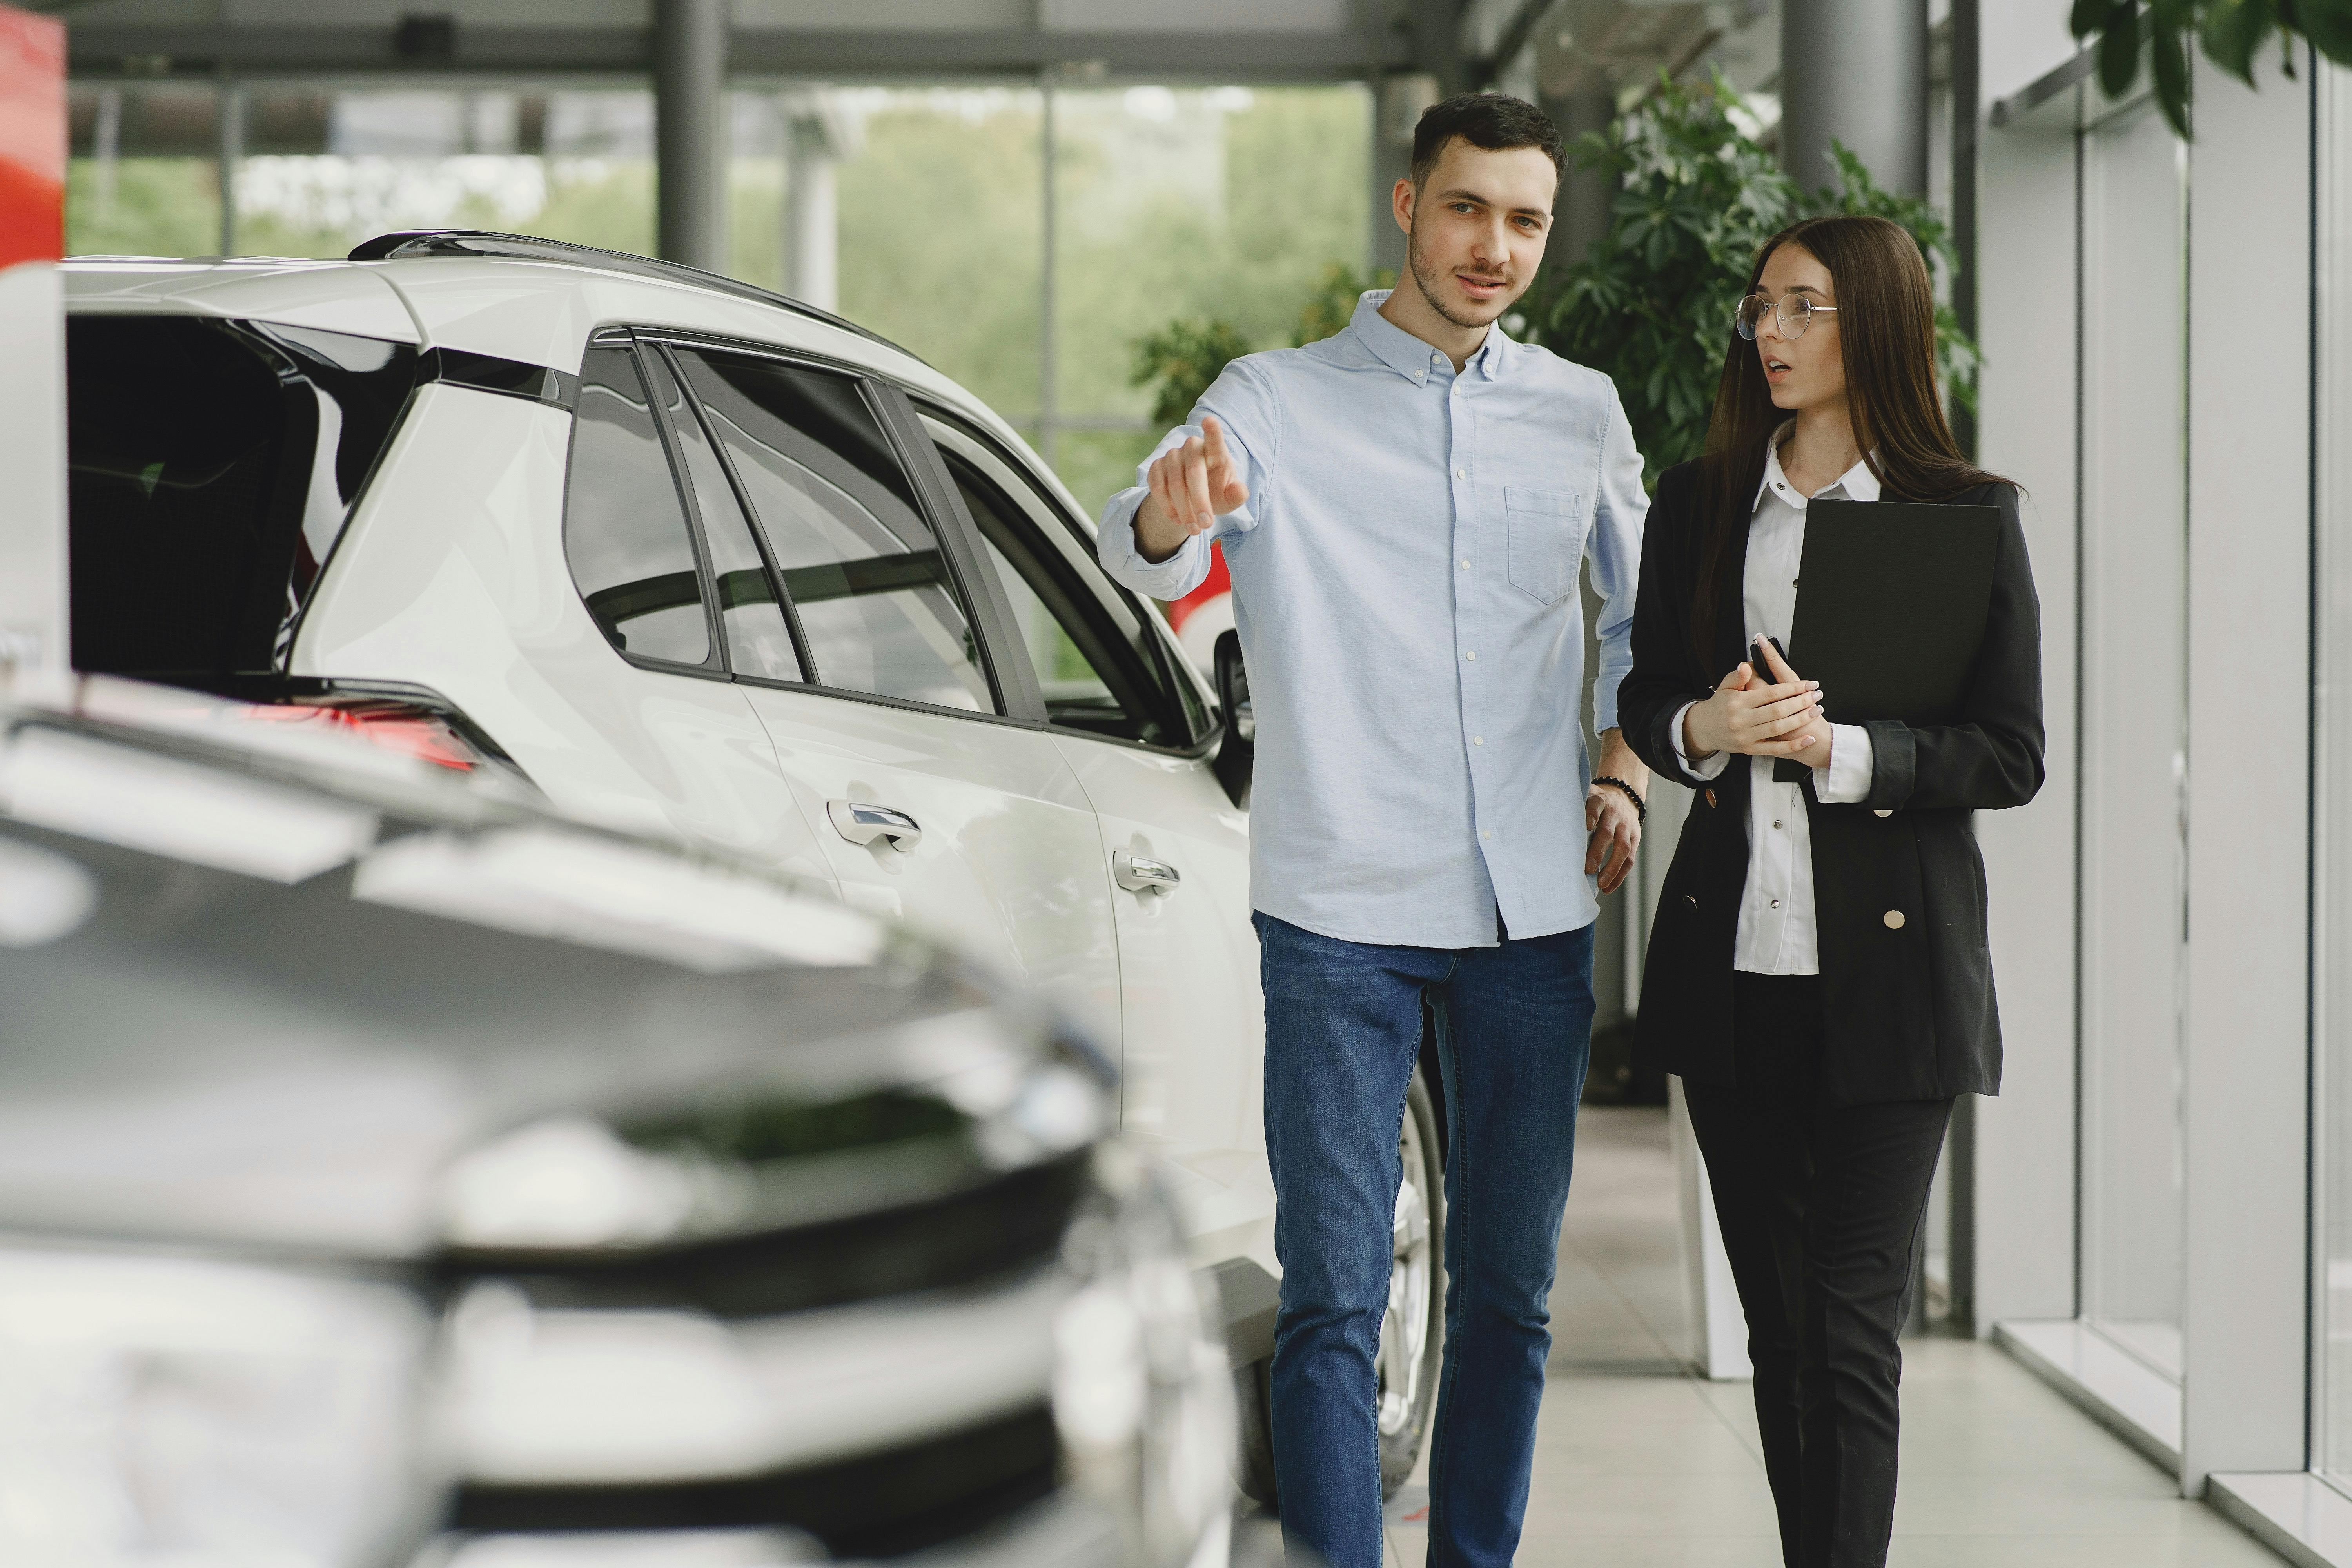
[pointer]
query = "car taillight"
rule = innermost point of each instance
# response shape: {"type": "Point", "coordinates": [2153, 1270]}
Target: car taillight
{"type": "Point", "coordinates": [407, 728]}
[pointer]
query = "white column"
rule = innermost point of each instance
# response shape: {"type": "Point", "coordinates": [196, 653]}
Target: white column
{"type": "Point", "coordinates": [2023, 1201]}
{"type": "Point", "coordinates": [812, 220]}
{"type": "Point", "coordinates": [2250, 685]}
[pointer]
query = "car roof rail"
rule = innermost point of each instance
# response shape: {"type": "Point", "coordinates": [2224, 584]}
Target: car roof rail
{"type": "Point", "coordinates": [402, 245]}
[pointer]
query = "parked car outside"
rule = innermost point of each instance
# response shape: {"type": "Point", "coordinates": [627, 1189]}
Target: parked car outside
{"type": "Point", "coordinates": [708, 565]}
{"type": "Point", "coordinates": [392, 1173]}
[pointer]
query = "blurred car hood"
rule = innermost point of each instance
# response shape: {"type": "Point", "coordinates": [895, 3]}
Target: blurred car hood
{"type": "Point", "coordinates": [247, 1000]}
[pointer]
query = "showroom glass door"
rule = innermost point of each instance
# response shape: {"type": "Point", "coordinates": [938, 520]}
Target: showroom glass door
{"type": "Point", "coordinates": [2134, 799]}
{"type": "Point", "coordinates": [2331, 823]}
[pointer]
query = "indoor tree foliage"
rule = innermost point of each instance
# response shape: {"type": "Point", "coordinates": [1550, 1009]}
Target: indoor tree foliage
{"type": "Point", "coordinates": [1651, 305]}
{"type": "Point", "coordinates": [2232, 31]}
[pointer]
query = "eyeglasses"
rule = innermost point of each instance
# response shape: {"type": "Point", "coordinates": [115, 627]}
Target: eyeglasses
{"type": "Point", "coordinates": [1795, 312]}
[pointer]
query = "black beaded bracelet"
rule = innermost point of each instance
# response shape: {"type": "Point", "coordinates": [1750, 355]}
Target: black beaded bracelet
{"type": "Point", "coordinates": [1641, 807]}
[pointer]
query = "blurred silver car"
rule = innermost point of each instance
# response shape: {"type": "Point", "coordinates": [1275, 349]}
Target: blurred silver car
{"type": "Point", "coordinates": [392, 1173]}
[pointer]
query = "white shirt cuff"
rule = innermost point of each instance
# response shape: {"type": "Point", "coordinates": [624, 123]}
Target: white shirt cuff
{"type": "Point", "coordinates": [1719, 761]}
{"type": "Point", "coordinates": [1846, 780]}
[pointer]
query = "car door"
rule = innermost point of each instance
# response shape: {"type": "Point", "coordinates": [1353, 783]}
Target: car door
{"type": "Point", "coordinates": [935, 805]}
{"type": "Point", "coordinates": [1135, 724]}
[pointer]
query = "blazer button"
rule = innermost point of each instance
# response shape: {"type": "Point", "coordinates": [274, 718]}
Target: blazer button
{"type": "Point", "coordinates": [1710, 797]}
{"type": "Point", "coordinates": [1881, 814]}
{"type": "Point", "coordinates": [1691, 899]}
{"type": "Point", "coordinates": [1895, 920]}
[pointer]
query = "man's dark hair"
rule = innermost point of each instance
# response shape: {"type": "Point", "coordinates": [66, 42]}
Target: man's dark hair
{"type": "Point", "coordinates": [1492, 121]}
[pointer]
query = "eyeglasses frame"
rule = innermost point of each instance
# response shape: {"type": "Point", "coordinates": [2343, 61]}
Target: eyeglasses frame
{"type": "Point", "coordinates": [1780, 314]}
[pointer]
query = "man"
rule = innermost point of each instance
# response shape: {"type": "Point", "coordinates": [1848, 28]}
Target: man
{"type": "Point", "coordinates": [1402, 508]}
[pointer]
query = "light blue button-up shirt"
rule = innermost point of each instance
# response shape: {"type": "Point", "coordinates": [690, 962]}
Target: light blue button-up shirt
{"type": "Point", "coordinates": [1405, 586]}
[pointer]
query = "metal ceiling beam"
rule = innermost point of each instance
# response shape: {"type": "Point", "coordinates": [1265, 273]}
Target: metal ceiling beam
{"type": "Point", "coordinates": [100, 51]}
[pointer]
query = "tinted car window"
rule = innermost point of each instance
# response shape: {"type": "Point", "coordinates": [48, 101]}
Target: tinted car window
{"type": "Point", "coordinates": [758, 641]}
{"type": "Point", "coordinates": [878, 606]}
{"type": "Point", "coordinates": [624, 528]}
{"type": "Point", "coordinates": [213, 466]}
{"type": "Point", "coordinates": [1101, 667]}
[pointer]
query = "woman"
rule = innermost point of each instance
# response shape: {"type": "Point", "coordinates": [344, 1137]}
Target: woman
{"type": "Point", "coordinates": [1817, 972]}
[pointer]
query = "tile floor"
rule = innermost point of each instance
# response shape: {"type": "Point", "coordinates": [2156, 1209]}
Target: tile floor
{"type": "Point", "coordinates": [1639, 1465]}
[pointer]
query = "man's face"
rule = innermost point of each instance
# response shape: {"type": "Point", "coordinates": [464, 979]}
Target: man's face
{"type": "Point", "coordinates": [1478, 225]}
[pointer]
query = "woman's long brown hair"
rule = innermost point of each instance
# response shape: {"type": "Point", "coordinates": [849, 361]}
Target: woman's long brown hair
{"type": "Point", "coordinates": [1887, 338]}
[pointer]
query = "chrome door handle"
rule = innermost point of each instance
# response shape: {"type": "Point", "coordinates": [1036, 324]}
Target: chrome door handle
{"type": "Point", "coordinates": [864, 823]}
{"type": "Point", "coordinates": [1138, 875]}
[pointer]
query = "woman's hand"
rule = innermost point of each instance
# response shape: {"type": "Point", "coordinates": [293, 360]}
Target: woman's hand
{"type": "Point", "coordinates": [1757, 719]}
{"type": "Point", "coordinates": [1814, 739]}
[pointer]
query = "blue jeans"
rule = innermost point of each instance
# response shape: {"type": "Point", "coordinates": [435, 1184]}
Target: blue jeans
{"type": "Point", "coordinates": [1343, 1023]}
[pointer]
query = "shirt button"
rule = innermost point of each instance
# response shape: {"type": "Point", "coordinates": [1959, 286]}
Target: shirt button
{"type": "Point", "coordinates": [1484, 834]}
{"type": "Point", "coordinates": [1776, 825]}
{"type": "Point", "coordinates": [1881, 814]}
{"type": "Point", "coordinates": [1893, 920]}
{"type": "Point", "coordinates": [1775, 903]}
{"type": "Point", "coordinates": [1461, 473]}
{"type": "Point", "coordinates": [1465, 563]}
{"type": "Point", "coordinates": [1471, 655]}
{"type": "Point", "coordinates": [1477, 739]}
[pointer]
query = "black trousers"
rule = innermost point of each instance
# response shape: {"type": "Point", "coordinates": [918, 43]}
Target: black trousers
{"type": "Point", "coordinates": [1822, 1210]}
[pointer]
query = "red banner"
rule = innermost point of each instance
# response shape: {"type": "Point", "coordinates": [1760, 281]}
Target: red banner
{"type": "Point", "coordinates": [32, 138]}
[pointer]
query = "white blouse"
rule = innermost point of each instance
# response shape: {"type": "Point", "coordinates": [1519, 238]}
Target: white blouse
{"type": "Point", "coordinates": [1777, 932]}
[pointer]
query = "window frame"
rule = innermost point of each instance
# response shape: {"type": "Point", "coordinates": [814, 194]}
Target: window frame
{"type": "Point", "coordinates": [714, 666]}
{"type": "Point", "coordinates": [903, 412]}
{"type": "Point", "coordinates": [1034, 496]}
{"type": "Point", "coordinates": [1014, 692]}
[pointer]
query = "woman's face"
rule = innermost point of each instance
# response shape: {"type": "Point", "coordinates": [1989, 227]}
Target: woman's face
{"type": "Point", "coordinates": [1808, 372]}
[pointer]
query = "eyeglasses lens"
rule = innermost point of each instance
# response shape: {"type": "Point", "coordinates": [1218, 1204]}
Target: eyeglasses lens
{"type": "Point", "coordinates": [1794, 314]}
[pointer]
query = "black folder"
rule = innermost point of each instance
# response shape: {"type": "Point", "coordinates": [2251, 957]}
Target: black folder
{"type": "Point", "coordinates": [1890, 605]}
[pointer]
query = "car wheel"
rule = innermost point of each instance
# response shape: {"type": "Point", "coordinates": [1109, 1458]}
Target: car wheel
{"type": "Point", "coordinates": [1411, 1331]}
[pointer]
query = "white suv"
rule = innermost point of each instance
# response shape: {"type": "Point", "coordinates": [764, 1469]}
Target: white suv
{"type": "Point", "coordinates": [698, 561]}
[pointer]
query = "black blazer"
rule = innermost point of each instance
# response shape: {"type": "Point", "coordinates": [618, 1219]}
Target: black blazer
{"type": "Point", "coordinates": [1908, 1006]}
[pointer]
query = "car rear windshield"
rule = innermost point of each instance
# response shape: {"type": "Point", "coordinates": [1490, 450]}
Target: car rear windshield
{"type": "Point", "coordinates": [213, 466]}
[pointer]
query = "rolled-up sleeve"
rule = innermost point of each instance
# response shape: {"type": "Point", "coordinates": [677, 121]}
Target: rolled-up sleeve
{"type": "Point", "coordinates": [1243, 403]}
{"type": "Point", "coordinates": [1619, 512]}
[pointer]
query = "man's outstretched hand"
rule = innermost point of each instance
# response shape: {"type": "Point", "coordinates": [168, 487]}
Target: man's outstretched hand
{"type": "Point", "coordinates": [1191, 486]}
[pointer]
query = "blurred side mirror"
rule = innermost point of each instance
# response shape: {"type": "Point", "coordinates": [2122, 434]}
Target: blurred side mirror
{"type": "Point", "coordinates": [1239, 750]}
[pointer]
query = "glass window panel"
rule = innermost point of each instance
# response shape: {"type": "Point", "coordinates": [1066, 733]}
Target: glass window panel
{"type": "Point", "coordinates": [876, 602]}
{"type": "Point", "coordinates": [202, 503]}
{"type": "Point", "coordinates": [625, 530]}
{"type": "Point", "coordinates": [1096, 673]}
{"type": "Point", "coordinates": [758, 643]}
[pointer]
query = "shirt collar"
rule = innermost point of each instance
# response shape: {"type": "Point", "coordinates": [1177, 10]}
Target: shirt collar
{"type": "Point", "coordinates": [1408, 355]}
{"type": "Point", "coordinates": [1858, 483]}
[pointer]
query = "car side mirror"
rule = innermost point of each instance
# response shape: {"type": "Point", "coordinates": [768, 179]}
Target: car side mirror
{"type": "Point", "coordinates": [1239, 750]}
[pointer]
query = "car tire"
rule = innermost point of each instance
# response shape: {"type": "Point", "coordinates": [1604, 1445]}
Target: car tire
{"type": "Point", "coordinates": [1411, 1334]}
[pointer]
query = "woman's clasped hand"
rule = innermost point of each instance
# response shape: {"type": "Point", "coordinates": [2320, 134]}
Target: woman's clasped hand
{"type": "Point", "coordinates": [1754, 717]}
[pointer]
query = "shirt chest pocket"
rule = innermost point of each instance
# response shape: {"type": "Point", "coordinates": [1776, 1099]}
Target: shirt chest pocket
{"type": "Point", "coordinates": [1546, 538]}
